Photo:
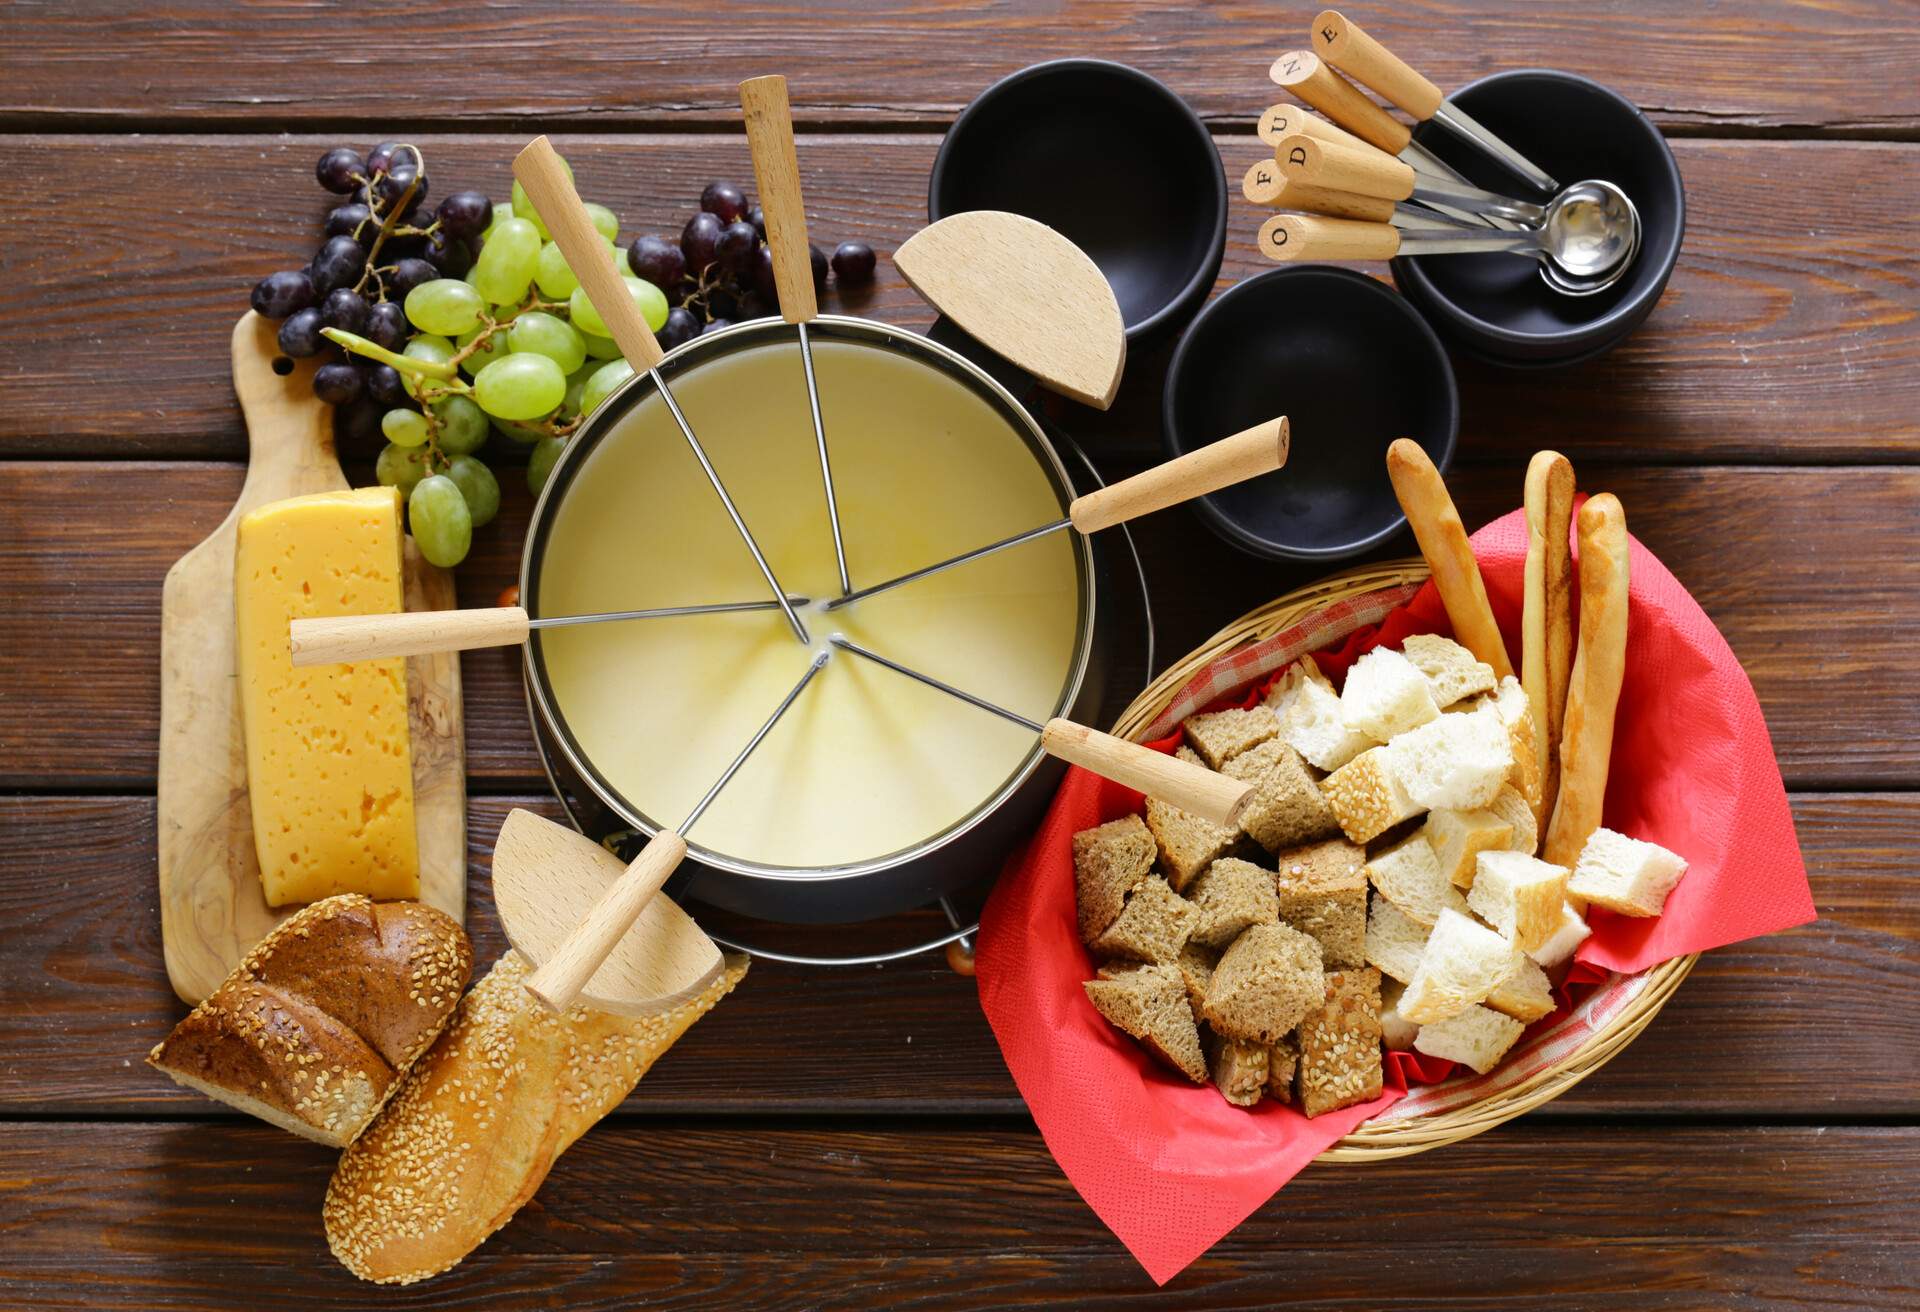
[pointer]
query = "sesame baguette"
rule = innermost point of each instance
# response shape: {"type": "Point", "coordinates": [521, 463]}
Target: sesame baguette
{"type": "Point", "coordinates": [1586, 743]}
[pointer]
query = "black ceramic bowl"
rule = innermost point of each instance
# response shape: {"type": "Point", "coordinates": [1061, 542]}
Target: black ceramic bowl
{"type": "Point", "coordinates": [1112, 159]}
{"type": "Point", "coordinates": [1497, 307]}
{"type": "Point", "coordinates": [1351, 366]}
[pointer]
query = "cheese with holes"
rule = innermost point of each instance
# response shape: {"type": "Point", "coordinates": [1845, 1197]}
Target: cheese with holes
{"type": "Point", "coordinates": [329, 769]}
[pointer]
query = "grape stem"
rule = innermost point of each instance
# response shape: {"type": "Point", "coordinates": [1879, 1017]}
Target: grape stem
{"type": "Point", "coordinates": [444, 371]}
{"type": "Point", "coordinates": [391, 221]}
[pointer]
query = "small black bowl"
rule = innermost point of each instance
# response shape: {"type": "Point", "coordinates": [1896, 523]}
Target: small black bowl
{"type": "Point", "coordinates": [1351, 366]}
{"type": "Point", "coordinates": [1109, 157]}
{"type": "Point", "coordinates": [1497, 307]}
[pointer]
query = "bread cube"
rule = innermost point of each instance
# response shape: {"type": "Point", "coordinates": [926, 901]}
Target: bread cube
{"type": "Point", "coordinates": [1187, 843]}
{"type": "Point", "coordinates": [1153, 926]}
{"type": "Point", "coordinates": [1462, 963]}
{"type": "Point", "coordinates": [1385, 696]}
{"type": "Point", "coordinates": [1109, 862]}
{"type": "Point", "coordinates": [1150, 1003]}
{"type": "Point", "coordinates": [1322, 891]}
{"type": "Point", "coordinates": [1394, 942]}
{"type": "Point", "coordinates": [1396, 1031]}
{"type": "Point", "coordinates": [1286, 688]}
{"type": "Point", "coordinates": [1568, 935]}
{"type": "Point", "coordinates": [1195, 964]}
{"type": "Point", "coordinates": [1367, 796]}
{"type": "Point", "coordinates": [1407, 875]}
{"type": "Point", "coordinates": [1231, 895]}
{"type": "Point", "coordinates": [1282, 1059]}
{"type": "Point", "coordinates": [1456, 762]}
{"type": "Point", "coordinates": [1316, 729]}
{"type": "Point", "coordinates": [1510, 702]}
{"type": "Point", "coordinates": [1223, 735]}
{"type": "Point", "coordinates": [1452, 672]}
{"type": "Point", "coordinates": [1456, 838]}
{"type": "Point", "coordinates": [1526, 994]}
{"type": "Point", "coordinates": [1478, 1037]}
{"type": "Point", "coordinates": [1238, 1067]}
{"type": "Point", "coordinates": [1264, 984]}
{"type": "Point", "coordinates": [1287, 807]}
{"type": "Point", "coordinates": [1519, 895]}
{"type": "Point", "coordinates": [1517, 812]}
{"type": "Point", "coordinates": [1340, 1044]}
{"type": "Point", "coordinates": [1625, 874]}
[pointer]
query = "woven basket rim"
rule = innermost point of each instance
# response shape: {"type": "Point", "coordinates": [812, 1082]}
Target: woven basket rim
{"type": "Point", "coordinates": [1371, 1142]}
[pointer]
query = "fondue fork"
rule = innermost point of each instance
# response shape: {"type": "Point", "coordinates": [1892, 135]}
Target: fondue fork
{"type": "Point", "coordinates": [1174, 781]}
{"type": "Point", "coordinates": [560, 979]}
{"type": "Point", "coordinates": [1258, 450]}
{"type": "Point", "coordinates": [587, 253]}
{"type": "Point", "coordinates": [777, 170]}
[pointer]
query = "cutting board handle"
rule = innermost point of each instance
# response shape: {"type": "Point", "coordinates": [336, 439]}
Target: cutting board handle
{"type": "Point", "coordinates": [289, 432]}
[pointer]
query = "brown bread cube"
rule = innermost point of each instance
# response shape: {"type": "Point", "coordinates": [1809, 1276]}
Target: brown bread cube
{"type": "Point", "coordinates": [1223, 735]}
{"type": "Point", "coordinates": [1154, 925]}
{"type": "Point", "coordinates": [1287, 807]}
{"type": "Point", "coordinates": [1230, 896]}
{"type": "Point", "coordinates": [1150, 1003]}
{"type": "Point", "coordinates": [1109, 862]}
{"type": "Point", "coordinates": [1323, 892]}
{"type": "Point", "coordinates": [1239, 1068]}
{"type": "Point", "coordinates": [1187, 843]}
{"type": "Point", "coordinates": [1264, 984]}
{"type": "Point", "coordinates": [1340, 1062]}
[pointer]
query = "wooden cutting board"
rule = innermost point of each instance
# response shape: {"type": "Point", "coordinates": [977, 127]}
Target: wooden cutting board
{"type": "Point", "coordinates": [211, 906]}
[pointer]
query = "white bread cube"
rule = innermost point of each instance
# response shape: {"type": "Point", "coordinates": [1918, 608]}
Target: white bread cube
{"type": "Point", "coordinates": [1452, 672]}
{"type": "Point", "coordinates": [1625, 874]}
{"type": "Point", "coordinates": [1396, 1031]}
{"type": "Point", "coordinates": [1526, 995]}
{"type": "Point", "coordinates": [1519, 895]}
{"type": "Point", "coordinates": [1455, 761]}
{"type": "Point", "coordinates": [1367, 796]}
{"type": "Point", "coordinates": [1286, 688]}
{"type": "Point", "coordinates": [1478, 1037]}
{"type": "Point", "coordinates": [1456, 838]}
{"type": "Point", "coordinates": [1315, 729]}
{"type": "Point", "coordinates": [1385, 696]}
{"type": "Point", "coordinates": [1463, 962]}
{"type": "Point", "coordinates": [1406, 875]}
{"type": "Point", "coordinates": [1513, 808]}
{"type": "Point", "coordinates": [1511, 703]}
{"type": "Point", "coordinates": [1394, 942]}
{"type": "Point", "coordinates": [1567, 936]}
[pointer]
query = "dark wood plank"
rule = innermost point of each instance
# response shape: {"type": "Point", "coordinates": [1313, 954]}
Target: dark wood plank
{"type": "Point", "coordinates": [1809, 1023]}
{"type": "Point", "coordinates": [193, 1216]}
{"type": "Point", "coordinates": [1759, 351]}
{"type": "Point", "coordinates": [1770, 64]}
{"type": "Point", "coordinates": [1757, 546]}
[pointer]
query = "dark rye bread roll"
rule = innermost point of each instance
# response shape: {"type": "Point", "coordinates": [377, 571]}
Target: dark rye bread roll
{"type": "Point", "coordinates": [313, 1029]}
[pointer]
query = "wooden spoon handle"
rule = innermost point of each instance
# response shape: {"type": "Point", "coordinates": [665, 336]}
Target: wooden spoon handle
{"type": "Point", "coordinates": [1283, 121]}
{"type": "Point", "coordinates": [1336, 167]}
{"type": "Point", "coordinates": [776, 168]}
{"type": "Point", "coordinates": [539, 170]}
{"type": "Point", "coordinates": [1248, 454]}
{"type": "Point", "coordinates": [561, 977]}
{"type": "Point", "coordinates": [1287, 237]}
{"type": "Point", "coordinates": [1303, 73]}
{"type": "Point", "coordinates": [1264, 185]}
{"type": "Point", "coordinates": [338, 638]}
{"type": "Point", "coordinates": [1174, 781]}
{"type": "Point", "coordinates": [1366, 61]}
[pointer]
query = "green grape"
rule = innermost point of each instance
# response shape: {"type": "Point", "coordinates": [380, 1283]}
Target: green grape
{"type": "Point", "coordinates": [650, 300]}
{"type": "Point", "coordinates": [502, 209]}
{"type": "Point", "coordinates": [598, 347]}
{"type": "Point", "coordinates": [623, 261]}
{"type": "Point", "coordinates": [494, 348]}
{"type": "Point", "coordinates": [576, 384]}
{"type": "Point", "coordinates": [401, 466]}
{"type": "Point", "coordinates": [599, 387]}
{"type": "Point", "coordinates": [540, 464]}
{"type": "Point", "coordinates": [507, 262]}
{"type": "Point", "coordinates": [524, 434]}
{"type": "Point", "coordinates": [522, 386]}
{"type": "Point", "coordinates": [463, 425]}
{"type": "Point", "coordinates": [478, 488]}
{"type": "Point", "coordinates": [604, 221]}
{"type": "Point", "coordinates": [446, 306]}
{"type": "Point", "coordinates": [543, 334]}
{"type": "Point", "coordinates": [404, 427]}
{"type": "Point", "coordinates": [424, 346]}
{"type": "Point", "coordinates": [554, 279]}
{"type": "Point", "coordinates": [442, 525]}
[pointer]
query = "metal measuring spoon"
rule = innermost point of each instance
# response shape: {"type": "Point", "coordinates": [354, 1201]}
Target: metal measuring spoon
{"type": "Point", "coordinates": [1599, 236]}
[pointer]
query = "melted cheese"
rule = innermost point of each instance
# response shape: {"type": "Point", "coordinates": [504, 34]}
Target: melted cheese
{"type": "Point", "coordinates": [329, 768]}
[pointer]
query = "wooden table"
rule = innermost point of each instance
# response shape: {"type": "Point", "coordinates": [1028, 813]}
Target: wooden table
{"type": "Point", "coordinates": [851, 1139]}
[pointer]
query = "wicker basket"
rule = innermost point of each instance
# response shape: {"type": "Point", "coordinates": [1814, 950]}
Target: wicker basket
{"type": "Point", "coordinates": [1373, 1142]}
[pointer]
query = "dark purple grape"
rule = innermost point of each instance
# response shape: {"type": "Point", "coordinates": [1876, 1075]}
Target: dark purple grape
{"type": "Point", "coordinates": [659, 261]}
{"type": "Point", "coordinates": [346, 310]}
{"type": "Point", "coordinates": [279, 294]}
{"type": "Point", "coordinates": [681, 326]}
{"type": "Point", "coordinates": [722, 303]}
{"type": "Point", "coordinates": [408, 274]}
{"type": "Point", "coordinates": [755, 306]}
{"type": "Point", "coordinates": [699, 240]}
{"type": "Point", "coordinates": [819, 259]}
{"type": "Point", "coordinates": [853, 263]}
{"type": "Point", "coordinates": [763, 279]}
{"type": "Point", "coordinates": [383, 384]}
{"type": "Point", "coordinates": [715, 325]}
{"type": "Point", "coordinates": [724, 201]}
{"type": "Point", "coordinates": [394, 185]}
{"type": "Point", "coordinates": [339, 170]}
{"type": "Point", "coordinates": [380, 158]}
{"type": "Point", "coordinates": [300, 334]}
{"type": "Point", "coordinates": [356, 427]}
{"type": "Point", "coordinates": [758, 218]}
{"type": "Point", "coordinates": [336, 384]}
{"type": "Point", "coordinates": [452, 256]}
{"type": "Point", "coordinates": [349, 219]}
{"type": "Point", "coordinates": [403, 248]}
{"type": "Point", "coordinates": [337, 265]}
{"type": "Point", "coordinates": [465, 214]}
{"type": "Point", "coordinates": [734, 251]}
{"type": "Point", "coordinates": [387, 326]}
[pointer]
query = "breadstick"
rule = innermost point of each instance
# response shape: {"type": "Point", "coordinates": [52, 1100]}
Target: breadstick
{"type": "Point", "coordinates": [1586, 742]}
{"type": "Point", "coordinates": [1546, 617]}
{"type": "Point", "coordinates": [1443, 541]}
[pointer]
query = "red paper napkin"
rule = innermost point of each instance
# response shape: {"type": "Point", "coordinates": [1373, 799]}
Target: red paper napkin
{"type": "Point", "coordinates": [1170, 1166]}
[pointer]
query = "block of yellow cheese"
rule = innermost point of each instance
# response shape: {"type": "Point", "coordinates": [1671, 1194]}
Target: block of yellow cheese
{"type": "Point", "coordinates": [329, 769]}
